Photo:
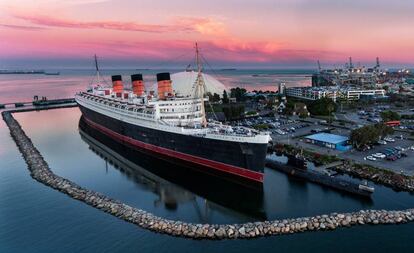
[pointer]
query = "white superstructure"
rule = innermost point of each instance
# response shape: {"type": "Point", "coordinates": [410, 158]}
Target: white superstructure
{"type": "Point", "coordinates": [170, 112]}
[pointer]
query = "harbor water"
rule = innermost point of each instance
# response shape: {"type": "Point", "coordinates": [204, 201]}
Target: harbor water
{"type": "Point", "coordinates": [36, 218]}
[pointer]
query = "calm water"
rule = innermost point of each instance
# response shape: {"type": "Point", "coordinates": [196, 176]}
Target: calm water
{"type": "Point", "coordinates": [35, 218]}
{"type": "Point", "coordinates": [24, 87]}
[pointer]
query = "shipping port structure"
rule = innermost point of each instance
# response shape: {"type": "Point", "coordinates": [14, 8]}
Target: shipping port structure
{"type": "Point", "coordinates": [360, 76]}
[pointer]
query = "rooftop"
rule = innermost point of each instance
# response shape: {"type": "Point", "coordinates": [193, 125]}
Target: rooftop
{"type": "Point", "coordinates": [328, 138]}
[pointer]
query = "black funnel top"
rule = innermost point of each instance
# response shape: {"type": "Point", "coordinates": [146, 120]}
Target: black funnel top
{"type": "Point", "coordinates": [136, 77]}
{"type": "Point", "coordinates": [163, 76]}
{"type": "Point", "coordinates": [116, 78]}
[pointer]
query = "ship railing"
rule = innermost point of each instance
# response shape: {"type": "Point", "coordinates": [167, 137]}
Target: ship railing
{"type": "Point", "coordinates": [231, 134]}
{"type": "Point", "coordinates": [137, 115]}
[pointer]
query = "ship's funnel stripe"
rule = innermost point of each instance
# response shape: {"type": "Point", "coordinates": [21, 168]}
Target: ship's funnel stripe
{"type": "Point", "coordinates": [137, 84]}
{"type": "Point", "coordinates": [117, 84]}
{"type": "Point", "coordinates": [164, 85]}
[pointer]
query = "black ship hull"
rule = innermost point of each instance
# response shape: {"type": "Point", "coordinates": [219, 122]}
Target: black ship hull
{"type": "Point", "coordinates": [167, 180]}
{"type": "Point", "coordinates": [240, 162]}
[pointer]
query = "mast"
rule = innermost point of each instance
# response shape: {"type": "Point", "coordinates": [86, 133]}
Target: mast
{"type": "Point", "coordinates": [200, 86]}
{"type": "Point", "coordinates": [97, 68]}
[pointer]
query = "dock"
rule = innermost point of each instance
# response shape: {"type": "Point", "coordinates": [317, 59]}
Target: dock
{"type": "Point", "coordinates": [39, 104]}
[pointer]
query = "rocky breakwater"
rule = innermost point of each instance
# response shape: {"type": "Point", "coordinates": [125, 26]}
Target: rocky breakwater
{"type": "Point", "coordinates": [41, 172]}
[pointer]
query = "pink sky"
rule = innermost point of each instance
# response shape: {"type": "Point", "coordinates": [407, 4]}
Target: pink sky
{"type": "Point", "coordinates": [234, 32]}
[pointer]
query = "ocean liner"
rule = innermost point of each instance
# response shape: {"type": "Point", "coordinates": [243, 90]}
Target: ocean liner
{"type": "Point", "coordinates": [174, 127]}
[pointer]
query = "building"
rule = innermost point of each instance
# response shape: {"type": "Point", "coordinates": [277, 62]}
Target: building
{"type": "Point", "coordinates": [356, 94]}
{"type": "Point", "coordinates": [281, 88]}
{"type": "Point", "coordinates": [314, 93]}
{"type": "Point", "coordinates": [328, 140]}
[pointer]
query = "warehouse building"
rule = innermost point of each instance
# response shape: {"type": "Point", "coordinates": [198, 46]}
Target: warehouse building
{"type": "Point", "coordinates": [328, 140]}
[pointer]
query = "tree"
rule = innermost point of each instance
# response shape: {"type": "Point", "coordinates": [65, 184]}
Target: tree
{"type": "Point", "coordinates": [238, 93]}
{"type": "Point", "coordinates": [324, 107]}
{"type": "Point", "coordinates": [213, 97]}
{"type": "Point", "coordinates": [303, 115]}
{"type": "Point", "coordinates": [233, 111]}
{"type": "Point", "coordinates": [225, 98]}
{"type": "Point", "coordinates": [210, 96]}
{"type": "Point", "coordinates": [369, 134]}
{"type": "Point", "coordinates": [330, 107]}
{"type": "Point", "coordinates": [390, 116]}
{"type": "Point", "coordinates": [216, 97]}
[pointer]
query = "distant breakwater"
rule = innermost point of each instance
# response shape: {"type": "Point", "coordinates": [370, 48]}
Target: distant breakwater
{"type": "Point", "coordinates": [40, 171]}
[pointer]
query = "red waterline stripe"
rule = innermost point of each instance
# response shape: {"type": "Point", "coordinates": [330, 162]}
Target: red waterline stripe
{"type": "Point", "coordinates": [252, 175]}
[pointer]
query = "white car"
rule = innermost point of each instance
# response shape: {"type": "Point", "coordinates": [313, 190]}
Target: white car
{"type": "Point", "coordinates": [382, 142]}
{"type": "Point", "coordinates": [379, 155]}
{"type": "Point", "coordinates": [371, 158]}
{"type": "Point", "coordinates": [389, 139]}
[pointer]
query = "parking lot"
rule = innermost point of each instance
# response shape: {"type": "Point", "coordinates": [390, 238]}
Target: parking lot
{"type": "Point", "coordinates": [280, 127]}
{"type": "Point", "coordinates": [403, 163]}
{"type": "Point", "coordinates": [396, 155]}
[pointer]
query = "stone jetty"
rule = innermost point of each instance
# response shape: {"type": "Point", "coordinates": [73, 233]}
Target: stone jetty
{"type": "Point", "coordinates": [41, 172]}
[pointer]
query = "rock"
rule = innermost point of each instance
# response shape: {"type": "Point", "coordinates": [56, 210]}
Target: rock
{"type": "Point", "coordinates": [210, 233]}
{"type": "Point", "coordinates": [220, 232]}
{"type": "Point", "coordinates": [242, 231]}
{"type": "Point", "coordinates": [230, 232]}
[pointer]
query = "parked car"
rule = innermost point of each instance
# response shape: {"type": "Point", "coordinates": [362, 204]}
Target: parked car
{"type": "Point", "coordinates": [371, 158]}
{"type": "Point", "coordinates": [382, 142]}
{"type": "Point", "coordinates": [379, 155]}
{"type": "Point", "coordinates": [401, 137]}
{"type": "Point", "coordinates": [400, 148]}
{"type": "Point", "coordinates": [392, 158]}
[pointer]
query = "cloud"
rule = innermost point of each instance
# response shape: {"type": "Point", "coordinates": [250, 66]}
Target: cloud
{"type": "Point", "coordinates": [22, 27]}
{"type": "Point", "coordinates": [212, 50]}
{"type": "Point", "coordinates": [111, 25]}
{"type": "Point", "coordinates": [205, 26]}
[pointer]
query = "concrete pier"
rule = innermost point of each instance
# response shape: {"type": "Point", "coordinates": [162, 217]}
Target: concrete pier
{"type": "Point", "coordinates": [41, 172]}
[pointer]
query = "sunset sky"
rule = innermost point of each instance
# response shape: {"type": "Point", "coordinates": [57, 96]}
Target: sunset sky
{"type": "Point", "coordinates": [256, 33]}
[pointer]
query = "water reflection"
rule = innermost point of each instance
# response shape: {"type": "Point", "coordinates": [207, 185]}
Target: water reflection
{"type": "Point", "coordinates": [174, 185]}
{"type": "Point", "coordinates": [200, 198]}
